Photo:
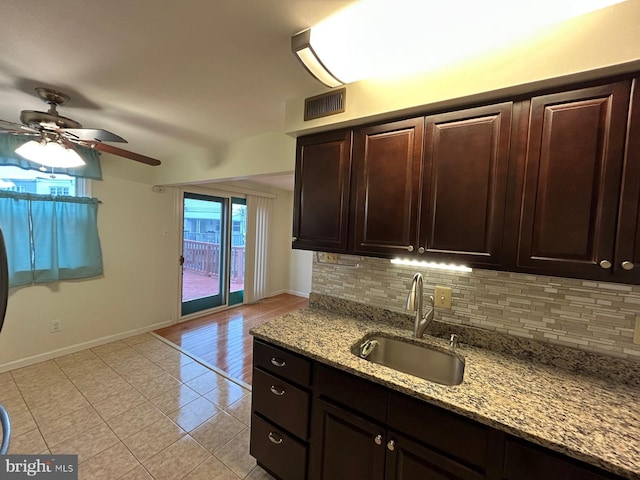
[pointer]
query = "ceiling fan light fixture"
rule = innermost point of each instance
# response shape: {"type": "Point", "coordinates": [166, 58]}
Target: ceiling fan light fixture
{"type": "Point", "coordinates": [50, 154]}
{"type": "Point", "coordinates": [304, 52]}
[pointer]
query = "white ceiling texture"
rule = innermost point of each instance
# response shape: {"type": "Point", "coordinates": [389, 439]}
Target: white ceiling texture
{"type": "Point", "coordinates": [168, 76]}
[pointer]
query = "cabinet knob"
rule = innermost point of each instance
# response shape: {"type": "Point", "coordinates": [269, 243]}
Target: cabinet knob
{"type": "Point", "coordinates": [627, 265]}
{"type": "Point", "coordinates": [294, 239]}
{"type": "Point", "coordinates": [279, 391]}
{"type": "Point", "coordinates": [391, 445]}
{"type": "Point", "coordinates": [421, 250]}
{"type": "Point", "coordinates": [410, 248]}
{"type": "Point", "coordinates": [276, 362]}
{"type": "Point", "coordinates": [275, 438]}
{"type": "Point", "coordinates": [378, 439]}
{"type": "Point", "coordinates": [605, 264]}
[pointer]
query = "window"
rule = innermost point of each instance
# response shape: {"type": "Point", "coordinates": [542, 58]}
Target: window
{"type": "Point", "coordinates": [50, 228]}
{"type": "Point", "coordinates": [15, 179]}
{"type": "Point", "coordinates": [59, 190]}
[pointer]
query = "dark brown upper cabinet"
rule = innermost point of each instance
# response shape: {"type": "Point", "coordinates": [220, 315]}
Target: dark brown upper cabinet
{"type": "Point", "coordinates": [464, 184]}
{"type": "Point", "coordinates": [627, 256]}
{"type": "Point", "coordinates": [321, 196]}
{"type": "Point", "coordinates": [385, 187]}
{"type": "Point", "coordinates": [572, 170]}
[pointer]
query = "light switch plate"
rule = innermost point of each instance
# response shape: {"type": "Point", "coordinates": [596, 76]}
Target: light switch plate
{"type": "Point", "coordinates": [636, 332]}
{"type": "Point", "coordinates": [442, 297]}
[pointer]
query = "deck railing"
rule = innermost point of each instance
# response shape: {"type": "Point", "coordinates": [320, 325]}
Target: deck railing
{"type": "Point", "coordinates": [204, 257]}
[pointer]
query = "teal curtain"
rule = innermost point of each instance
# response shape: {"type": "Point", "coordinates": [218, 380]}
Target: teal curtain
{"type": "Point", "coordinates": [50, 238]}
{"type": "Point", "coordinates": [8, 156]}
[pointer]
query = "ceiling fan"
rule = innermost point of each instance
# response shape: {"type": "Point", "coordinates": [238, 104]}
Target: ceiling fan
{"type": "Point", "coordinates": [54, 128]}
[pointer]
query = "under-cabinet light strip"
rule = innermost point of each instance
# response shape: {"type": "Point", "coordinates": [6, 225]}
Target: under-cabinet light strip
{"type": "Point", "coordinates": [435, 265]}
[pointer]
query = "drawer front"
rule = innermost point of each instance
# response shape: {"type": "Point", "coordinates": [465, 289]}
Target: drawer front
{"type": "Point", "coordinates": [276, 451]}
{"type": "Point", "coordinates": [282, 403]}
{"type": "Point", "coordinates": [451, 434]}
{"type": "Point", "coordinates": [354, 393]}
{"type": "Point", "coordinates": [282, 363]}
{"type": "Point", "coordinates": [524, 462]}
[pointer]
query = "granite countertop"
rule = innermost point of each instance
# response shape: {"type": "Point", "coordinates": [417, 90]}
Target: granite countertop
{"type": "Point", "coordinates": [592, 418]}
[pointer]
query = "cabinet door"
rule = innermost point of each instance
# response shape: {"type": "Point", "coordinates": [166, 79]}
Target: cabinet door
{"type": "Point", "coordinates": [345, 445]}
{"type": "Point", "coordinates": [385, 193]}
{"type": "Point", "coordinates": [572, 180]}
{"type": "Point", "coordinates": [528, 462]}
{"type": "Point", "coordinates": [627, 258]}
{"type": "Point", "coordinates": [321, 195]}
{"type": "Point", "coordinates": [464, 184]}
{"type": "Point", "coordinates": [408, 460]}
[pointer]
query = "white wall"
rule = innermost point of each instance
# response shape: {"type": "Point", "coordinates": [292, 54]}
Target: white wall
{"type": "Point", "coordinates": [137, 292]}
{"type": "Point", "coordinates": [601, 42]}
{"type": "Point", "coordinates": [301, 269]}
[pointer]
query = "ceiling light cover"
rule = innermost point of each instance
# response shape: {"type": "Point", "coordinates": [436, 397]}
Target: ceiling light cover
{"type": "Point", "coordinates": [301, 47]}
{"type": "Point", "coordinates": [50, 154]}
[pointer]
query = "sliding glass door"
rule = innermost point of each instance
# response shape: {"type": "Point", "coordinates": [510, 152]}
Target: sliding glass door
{"type": "Point", "coordinates": [204, 248]}
{"type": "Point", "coordinates": [213, 251]}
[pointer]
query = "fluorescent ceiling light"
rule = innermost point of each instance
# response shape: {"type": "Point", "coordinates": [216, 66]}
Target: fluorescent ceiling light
{"type": "Point", "coordinates": [379, 38]}
{"type": "Point", "coordinates": [301, 46]}
{"type": "Point", "coordinates": [50, 154]}
{"type": "Point", "coordinates": [434, 265]}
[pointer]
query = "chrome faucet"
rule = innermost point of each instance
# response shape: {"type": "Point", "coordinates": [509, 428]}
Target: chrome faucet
{"type": "Point", "coordinates": [414, 304]}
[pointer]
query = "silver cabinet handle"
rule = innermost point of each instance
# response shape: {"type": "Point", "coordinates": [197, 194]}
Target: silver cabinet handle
{"type": "Point", "coordinates": [410, 248]}
{"type": "Point", "coordinates": [275, 438]}
{"type": "Point", "coordinates": [277, 391]}
{"type": "Point", "coordinates": [421, 250]}
{"type": "Point", "coordinates": [605, 264]}
{"type": "Point", "coordinates": [378, 439]}
{"type": "Point", "coordinates": [391, 445]}
{"type": "Point", "coordinates": [276, 362]}
{"type": "Point", "coordinates": [294, 239]}
{"type": "Point", "coordinates": [627, 265]}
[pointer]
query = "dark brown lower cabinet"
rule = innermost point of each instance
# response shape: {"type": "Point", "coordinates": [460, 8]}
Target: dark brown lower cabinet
{"type": "Point", "coordinates": [347, 446]}
{"type": "Point", "coordinates": [359, 430]}
{"type": "Point", "coordinates": [410, 460]}
{"type": "Point", "coordinates": [527, 462]}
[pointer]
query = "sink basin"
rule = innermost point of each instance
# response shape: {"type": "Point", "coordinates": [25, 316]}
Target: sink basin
{"type": "Point", "coordinates": [424, 361]}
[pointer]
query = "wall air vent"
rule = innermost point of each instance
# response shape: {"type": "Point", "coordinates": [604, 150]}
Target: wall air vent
{"type": "Point", "coordinates": [324, 105]}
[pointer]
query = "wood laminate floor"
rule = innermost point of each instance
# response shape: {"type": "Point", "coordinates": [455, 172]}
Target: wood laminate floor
{"type": "Point", "coordinates": [223, 340]}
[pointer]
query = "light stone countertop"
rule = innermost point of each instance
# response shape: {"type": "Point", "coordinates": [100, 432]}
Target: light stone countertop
{"type": "Point", "coordinates": [589, 418]}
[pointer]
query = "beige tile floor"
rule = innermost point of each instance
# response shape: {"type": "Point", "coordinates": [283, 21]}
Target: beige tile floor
{"type": "Point", "coordinates": [133, 409]}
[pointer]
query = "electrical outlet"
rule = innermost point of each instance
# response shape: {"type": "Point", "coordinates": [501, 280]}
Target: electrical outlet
{"type": "Point", "coordinates": [636, 332]}
{"type": "Point", "coordinates": [442, 297]}
{"type": "Point", "coordinates": [55, 326]}
{"type": "Point", "coordinates": [331, 257]}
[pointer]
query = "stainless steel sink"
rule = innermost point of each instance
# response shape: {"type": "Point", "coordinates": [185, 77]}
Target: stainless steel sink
{"type": "Point", "coordinates": [424, 361]}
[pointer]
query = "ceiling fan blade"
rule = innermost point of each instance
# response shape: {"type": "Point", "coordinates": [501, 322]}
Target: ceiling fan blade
{"type": "Point", "coordinates": [92, 134]}
{"type": "Point", "coordinates": [104, 147]}
{"type": "Point", "coordinates": [17, 127]}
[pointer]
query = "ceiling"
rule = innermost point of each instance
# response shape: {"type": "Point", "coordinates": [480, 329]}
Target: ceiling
{"type": "Point", "coordinates": [170, 77]}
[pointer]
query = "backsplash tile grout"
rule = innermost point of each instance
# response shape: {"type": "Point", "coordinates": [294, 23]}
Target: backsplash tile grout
{"type": "Point", "coordinates": [584, 314]}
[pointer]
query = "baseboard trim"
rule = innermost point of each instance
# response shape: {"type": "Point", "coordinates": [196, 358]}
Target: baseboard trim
{"type": "Point", "coordinates": [298, 294]}
{"type": "Point", "coordinates": [42, 357]}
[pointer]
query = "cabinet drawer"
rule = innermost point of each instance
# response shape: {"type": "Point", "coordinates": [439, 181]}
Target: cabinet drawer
{"type": "Point", "coordinates": [451, 434]}
{"type": "Point", "coordinates": [524, 462]}
{"type": "Point", "coordinates": [354, 393]}
{"type": "Point", "coordinates": [282, 363]}
{"type": "Point", "coordinates": [281, 402]}
{"type": "Point", "coordinates": [276, 451]}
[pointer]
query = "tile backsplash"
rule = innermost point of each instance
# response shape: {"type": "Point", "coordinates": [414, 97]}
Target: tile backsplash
{"type": "Point", "coordinates": [589, 315]}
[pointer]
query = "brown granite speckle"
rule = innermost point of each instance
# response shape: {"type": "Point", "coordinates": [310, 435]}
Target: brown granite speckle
{"type": "Point", "coordinates": [588, 413]}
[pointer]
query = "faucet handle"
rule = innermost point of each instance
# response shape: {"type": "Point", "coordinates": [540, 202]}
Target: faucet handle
{"type": "Point", "coordinates": [431, 301]}
{"type": "Point", "coordinates": [453, 340]}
